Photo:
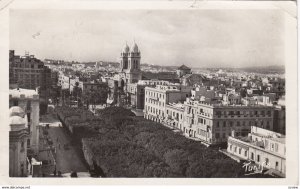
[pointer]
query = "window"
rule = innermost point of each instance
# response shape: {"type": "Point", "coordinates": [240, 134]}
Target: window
{"type": "Point", "coordinates": [258, 158]}
{"type": "Point", "coordinates": [28, 117]}
{"type": "Point", "coordinates": [217, 135]}
{"type": "Point", "coordinates": [200, 120]}
{"type": "Point", "coordinates": [235, 149]}
{"type": "Point", "coordinates": [15, 103]}
{"type": "Point", "coordinates": [245, 153]}
{"type": "Point", "coordinates": [252, 156]}
{"type": "Point", "coordinates": [218, 124]}
{"type": "Point", "coordinates": [224, 135]}
{"type": "Point", "coordinates": [230, 147]}
{"type": "Point", "coordinates": [276, 147]}
{"type": "Point", "coordinates": [28, 105]}
{"type": "Point", "coordinates": [224, 124]}
{"type": "Point", "coordinates": [276, 164]}
{"type": "Point", "coordinates": [240, 150]}
{"type": "Point", "coordinates": [267, 161]}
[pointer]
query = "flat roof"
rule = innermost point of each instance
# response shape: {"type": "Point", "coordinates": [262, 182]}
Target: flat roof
{"type": "Point", "coordinates": [28, 93]}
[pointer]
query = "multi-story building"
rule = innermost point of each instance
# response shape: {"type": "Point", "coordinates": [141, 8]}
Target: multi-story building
{"type": "Point", "coordinates": [262, 146]}
{"type": "Point", "coordinates": [136, 91]}
{"type": "Point", "coordinates": [28, 100]}
{"type": "Point", "coordinates": [28, 72]}
{"type": "Point", "coordinates": [156, 99]}
{"type": "Point", "coordinates": [202, 91]}
{"type": "Point", "coordinates": [18, 141]}
{"type": "Point", "coordinates": [213, 123]}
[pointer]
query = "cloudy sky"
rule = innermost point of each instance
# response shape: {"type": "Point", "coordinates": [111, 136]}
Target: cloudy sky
{"type": "Point", "coordinates": [197, 38]}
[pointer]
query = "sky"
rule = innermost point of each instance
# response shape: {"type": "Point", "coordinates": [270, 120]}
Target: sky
{"type": "Point", "coordinates": [196, 38]}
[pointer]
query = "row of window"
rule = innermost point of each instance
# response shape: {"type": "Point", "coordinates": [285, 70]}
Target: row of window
{"type": "Point", "coordinates": [238, 113]}
{"type": "Point", "coordinates": [258, 158]}
{"type": "Point", "coordinates": [239, 149]}
{"type": "Point", "coordinates": [154, 94]}
{"type": "Point", "coordinates": [26, 65]}
{"type": "Point", "coordinates": [155, 102]}
{"type": "Point", "coordinates": [174, 114]}
{"type": "Point", "coordinates": [241, 123]}
{"type": "Point", "coordinates": [154, 110]}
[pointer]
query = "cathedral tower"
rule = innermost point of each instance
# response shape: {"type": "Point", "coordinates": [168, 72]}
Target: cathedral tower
{"type": "Point", "coordinates": [130, 64]}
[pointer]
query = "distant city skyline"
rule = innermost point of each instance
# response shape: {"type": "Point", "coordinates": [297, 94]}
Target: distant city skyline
{"type": "Point", "coordinates": [196, 38]}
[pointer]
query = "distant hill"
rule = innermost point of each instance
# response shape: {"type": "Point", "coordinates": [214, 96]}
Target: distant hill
{"type": "Point", "coordinates": [257, 69]}
{"type": "Point", "coordinates": [265, 69]}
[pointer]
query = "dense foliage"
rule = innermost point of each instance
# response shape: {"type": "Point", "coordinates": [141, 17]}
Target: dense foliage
{"type": "Point", "coordinates": [122, 145]}
{"type": "Point", "coordinates": [118, 144]}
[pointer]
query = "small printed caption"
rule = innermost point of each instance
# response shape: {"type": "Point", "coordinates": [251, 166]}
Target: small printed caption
{"type": "Point", "coordinates": [15, 187]}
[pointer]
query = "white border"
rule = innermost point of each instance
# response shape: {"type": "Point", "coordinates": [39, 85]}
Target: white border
{"type": "Point", "coordinates": [289, 9]}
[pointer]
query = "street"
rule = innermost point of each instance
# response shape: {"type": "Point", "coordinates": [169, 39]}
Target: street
{"type": "Point", "coordinates": [67, 159]}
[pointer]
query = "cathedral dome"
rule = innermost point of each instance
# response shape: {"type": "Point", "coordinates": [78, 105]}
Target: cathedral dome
{"type": "Point", "coordinates": [126, 49]}
{"type": "Point", "coordinates": [135, 48]}
{"type": "Point", "coordinates": [16, 111]}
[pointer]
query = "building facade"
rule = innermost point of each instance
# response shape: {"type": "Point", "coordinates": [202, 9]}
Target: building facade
{"type": "Point", "coordinates": [28, 100]}
{"type": "Point", "coordinates": [156, 99]}
{"type": "Point", "coordinates": [208, 122]}
{"type": "Point", "coordinates": [18, 137]}
{"type": "Point", "coordinates": [262, 146]}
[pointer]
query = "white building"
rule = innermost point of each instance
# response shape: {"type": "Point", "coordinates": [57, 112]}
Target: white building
{"type": "Point", "coordinates": [18, 138]}
{"type": "Point", "coordinates": [28, 100]}
{"type": "Point", "coordinates": [262, 146]}
{"type": "Point", "coordinates": [156, 99]}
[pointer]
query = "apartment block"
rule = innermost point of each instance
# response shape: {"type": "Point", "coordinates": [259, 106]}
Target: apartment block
{"type": "Point", "coordinates": [261, 146]}
{"type": "Point", "coordinates": [156, 99]}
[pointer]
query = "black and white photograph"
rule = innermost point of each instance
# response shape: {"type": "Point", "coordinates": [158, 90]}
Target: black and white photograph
{"type": "Point", "coordinates": [148, 93]}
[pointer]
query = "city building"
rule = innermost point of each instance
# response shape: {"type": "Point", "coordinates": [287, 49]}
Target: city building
{"type": "Point", "coordinates": [262, 146]}
{"type": "Point", "coordinates": [156, 99]}
{"type": "Point", "coordinates": [211, 122]}
{"type": "Point", "coordinates": [203, 92]}
{"type": "Point", "coordinates": [136, 92]}
{"type": "Point", "coordinates": [28, 100]}
{"type": "Point", "coordinates": [192, 79]}
{"type": "Point", "coordinates": [130, 64]}
{"type": "Point", "coordinates": [183, 70]}
{"type": "Point", "coordinates": [18, 141]}
{"type": "Point", "coordinates": [29, 72]}
{"type": "Point", "coordinates": [129, 73]}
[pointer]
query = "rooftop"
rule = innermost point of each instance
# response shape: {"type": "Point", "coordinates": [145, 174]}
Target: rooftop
{"type": "Point", "coordinates": [183, 67]}
{"type": "Point", "coordinates": [23, 93]}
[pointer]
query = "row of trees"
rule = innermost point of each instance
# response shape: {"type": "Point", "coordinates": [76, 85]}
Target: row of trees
{"type": "Point", "coordinates": [118, 144]}
{"type": "Point", "coordinates": [126, 146]}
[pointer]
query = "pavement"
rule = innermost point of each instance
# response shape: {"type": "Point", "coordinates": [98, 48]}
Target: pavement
{"type": "Point", "coordinates": [67, 159]}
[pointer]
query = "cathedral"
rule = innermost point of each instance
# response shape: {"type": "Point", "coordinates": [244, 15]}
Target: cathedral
{"type": "Point", "coordinates": [129, 73]}
{"type": "Point", "coordinates": [130, 70]}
